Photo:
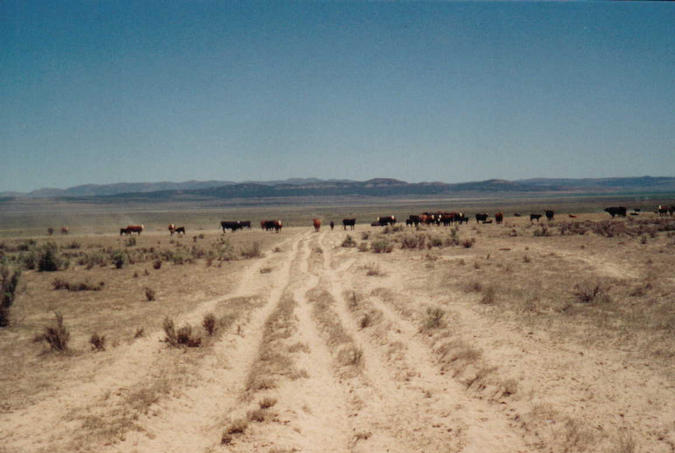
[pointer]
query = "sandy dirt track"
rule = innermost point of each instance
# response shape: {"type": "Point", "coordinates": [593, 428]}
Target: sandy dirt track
{"type": "Point", "coordinates": [347, 365]}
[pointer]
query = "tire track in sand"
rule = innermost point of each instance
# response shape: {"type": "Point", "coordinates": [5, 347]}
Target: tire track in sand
{"type": "Point", "coordinates": [194, 420]}
{"type": "Point", "coordinates": [426, 406]}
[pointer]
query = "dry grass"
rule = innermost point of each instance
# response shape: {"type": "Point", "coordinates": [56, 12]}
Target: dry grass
{"type": "Point", "coordinates": [56, 336]}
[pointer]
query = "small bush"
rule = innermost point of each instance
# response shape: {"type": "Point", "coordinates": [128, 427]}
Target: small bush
{"type": "Point", "coordinates": [9, 281]}
{"type": "Point", "coordinates": [382, 246]}
{"type": "Point", "coordinates": [349, 242]}
{"type": "Point", "coordinates": [157, 264]}
{"type": "Point", "coordinates": [56, 336]}
{"type": "Point", "coordinates": [182, 337]}
{"type": "Point", "coordinates": [588, 293]}
{"type": "Point", "coordinates": [413, 241]}
{"type": "Point", "coordinates": [97, 342]}
{"type": "Point", "coordinates": [365, 321]}
{"type": "Point", "coordinates": [131, 242]}
{"type": "Point", "coordinates": [265, 270]}
{"type": "Point", "coordinates": [119, 258]}
{"type": "Point", "coordinates": [74, 245]}
{"type": "Point", "coordinates": [149, 294]}
{"type": "Point", "coordinates": [48, 260]}
{"type": "Point", "coordinates": [434, 318]}
{"type": "Point", "coordinates": [140, 332]}
{"type": "Point", "coordinates": [209, 323]}
{"type": "Point", "coordinates": [252, 251]}
{"type": "Point", "coordinates": [351, 355]}
{"type": "Point", "coordinates": [365, 235]}
{"type": "Point", "coordinates": [236, 427]}
{"type": "Point", "coordinates": [256, 415]}
{"type": "Point", "coordinates": [59, 283]}
{"type": "Point", "coordinates": [488, 296]}
{"type": "Point", "coordinates": [267, 402]}
{"type": "Point", "coordinates": [468, 243]}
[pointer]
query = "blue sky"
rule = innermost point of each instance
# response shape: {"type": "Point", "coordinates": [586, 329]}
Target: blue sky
{"type": "Point", "coordinates": [122, 91]}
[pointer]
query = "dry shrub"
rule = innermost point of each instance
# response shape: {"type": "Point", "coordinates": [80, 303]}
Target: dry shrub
{"type": "Point", "coordinates": [488, 296]}
{"type": "Point", "coordinates": [350, 355]}
{"type": "Point", "coordinates": [140, 332]}
{"type": "Point", "coordinates": [349, 242]}
{"type": "Point", "coordinates": [182, 337]}
{"type": "Point", "coordinates": [149, 294]}
{"type": "Point", "coordinates": [157, 264]}
{"type": "Point", "coordinates": [59, 283]}
{"type": "Point", "coordinates": [252, 251]}
{"type": "Point", "coordinates": [413, 241]}
{"type": "Point", "coordinates": [363, 247]}
{"type": "Point", "coordinates": [382, 245]}
{"type": "Point", "coordinates": [256, 415]}
{"type": "Point", "coordinates": [474, 287]}
{"type": "Point", "coordinates": [468, 243]}
{"type": "Point", "coordinates": [277, 250]}
{"type": "Point", "coordinates": [434, 318]}
{"type": "Point", "coordinates": [9, 281]}
{"type": "Point", "coordinates": [209, 323]}
{"type": "Point", "coordinates": [97, 342]}
{"type": "Point", "coordinates": [265, 270]}
{"type": "Point", "coordinates": [509, 387]}
{"type": "Point", "coordinates": [56, 336]}
{"type": "Point", "coordinates": [238, 426]}
{"type": "Point", "coordinates": [365, 235]}
{"type": "Point", "coordinates": [267, 402]}
{"type": "Point", "coordinates": [365, 321]}
{"type": "Point", "coordinates": [590, 293]}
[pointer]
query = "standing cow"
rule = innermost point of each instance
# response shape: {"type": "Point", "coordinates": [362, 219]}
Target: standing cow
{"type": "Point", "coordinates": [499, 217]}
{"type": "Point", "coordinates": [616, 211]}
{"type": "Point", "coordinates": [348, 223]}
{"type": "Point", "coordinates": [332, 225]}
{"type": "Point", "coordinates": [317, 224]}
{"type": "Point", "coordinates": [549, 214]}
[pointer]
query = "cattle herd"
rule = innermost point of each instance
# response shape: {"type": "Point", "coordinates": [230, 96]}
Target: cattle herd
{"type": "Point", "coordinates": [426, 218]}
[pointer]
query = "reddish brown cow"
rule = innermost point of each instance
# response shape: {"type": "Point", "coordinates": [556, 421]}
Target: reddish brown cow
{"type": "Point", "coordinates": [64, 230]}
{"type": "Point", "coordinates": [134, 229]}
{"type": "Point", "coordinates": [317, 224]}
{"type": "Point", "coordinates": [499, 217]}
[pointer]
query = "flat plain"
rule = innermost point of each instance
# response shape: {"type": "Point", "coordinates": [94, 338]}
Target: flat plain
{"type": "Point", "coordinates": [521, 337]}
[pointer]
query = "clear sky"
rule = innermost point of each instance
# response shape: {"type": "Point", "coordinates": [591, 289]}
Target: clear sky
{"type": "Point", "coordinates": [123, 91]}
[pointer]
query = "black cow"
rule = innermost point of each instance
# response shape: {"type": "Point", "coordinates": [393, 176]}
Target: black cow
{"type": "Point", "coordinates": [499, 217]}
{"type": "Point", "coordinates": [616, 211]}
{"type": "Point", "coordinates": [481, 217]}
{"type": "Point", "coordinates": [233, 225]}
{"type": "Point", "coordinates": [462, 218]}
{"type": "Point", "coordinates": [348, 223]}
{"type": "Point", "coordinates": [549, 214]}
{"type": "Point", "coordinates": [516, 214]}
{"type": "Point", "coordinates": [180, 230]}
{"type": "Point", "coordinates": [245, 224]}
{"type": "Point", "coordinates": [413, 220]}
{"type": "Point", "coordinates": [386, 220]}
{"type": "Point", "coordinates": [535, 217]}
{"type": "Point", "coordinates": [332, 225]}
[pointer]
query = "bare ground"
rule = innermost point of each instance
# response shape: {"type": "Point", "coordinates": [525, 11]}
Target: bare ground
{"type": "Point", "coordinates": [434, 349]}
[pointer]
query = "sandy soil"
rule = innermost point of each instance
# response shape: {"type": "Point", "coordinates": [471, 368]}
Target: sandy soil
{"type": "Point", "coordinates": [332, 349]}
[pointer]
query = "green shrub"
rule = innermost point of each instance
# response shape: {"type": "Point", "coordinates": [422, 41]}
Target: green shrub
{"type": "Point", "coordinates": [9, 281]}
{"type": "Point", "coordinates": [252, 251]}
{"type": "Point", "coordinates": [349, 242]}
{"type": "Point", "coordinates": [119, 258]}
{"type": "Point", "coordinates": [97, 342]}
{"type": "Point", "coordinates": [48, 260]}
{"type": "Point", "coordinates": [382, 246]}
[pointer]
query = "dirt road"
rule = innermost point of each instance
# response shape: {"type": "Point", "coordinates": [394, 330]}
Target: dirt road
{"type": "Point", "coordinates": [314, 357]}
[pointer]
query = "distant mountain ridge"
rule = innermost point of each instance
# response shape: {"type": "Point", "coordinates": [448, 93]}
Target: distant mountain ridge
{"type": "Point", "coordinates": [314, 187]}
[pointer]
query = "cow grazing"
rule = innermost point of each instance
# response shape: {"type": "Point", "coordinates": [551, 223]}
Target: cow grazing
{"type": "Point", "coordinates": [535, 217]}
{"type": "Point", "coordinates": [348, 223]}
{"type": "Point", "coordinates": [616, 211]}
{"type": "Point", "coordinates": [268, 225]}
{"type": "Point", "coordinates": [572, 216]}
{"type": "Point", "coordinates": [386, 220]}
{"type": "Point", "coordinates": [499, 217]}
{"type": "Point", "coordinates": [481, 217]}
{"type": "Point", "coordinates": [123, 231]}
{"type": "Point", "coordinates": [549, 214]}
{"type": "Point", "coordinates": [138, 229]}
{"type": "Point", "coordinates": [662, 211]}
{"type": "Point", "coordinates": [64, 230]}
{"type": "Point", "coordinates": [50, 231]}
{"type": "Point", "coordinates": [317, 224]}
{"type": "Point", "coordinates": [413, 220]}
{"type": "Point", "coordinates": [233, 225]}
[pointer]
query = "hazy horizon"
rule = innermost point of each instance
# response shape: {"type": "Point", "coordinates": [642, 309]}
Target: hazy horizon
{"type": "Point", "coordinates": [105, 92]}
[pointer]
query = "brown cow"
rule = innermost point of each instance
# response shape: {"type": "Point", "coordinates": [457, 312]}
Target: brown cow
{"type": "Point", "coordinates": [172, 228]}
{"type": "Point", "coordinates": [134, 229]}
{"type": "Point", "coordinates": [64, 230]}
{"type": "Point", "coordinates": [317, 224]}
{"type": "Point", "coordinates": [499, 217]}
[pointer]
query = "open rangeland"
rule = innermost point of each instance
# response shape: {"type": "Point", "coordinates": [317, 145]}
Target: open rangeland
{"type": "Point", "coordinates": [521, 337]}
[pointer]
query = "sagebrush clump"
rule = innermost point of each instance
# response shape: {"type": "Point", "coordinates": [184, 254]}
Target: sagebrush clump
{"type": "Point", "coordinates": [9, 281]}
